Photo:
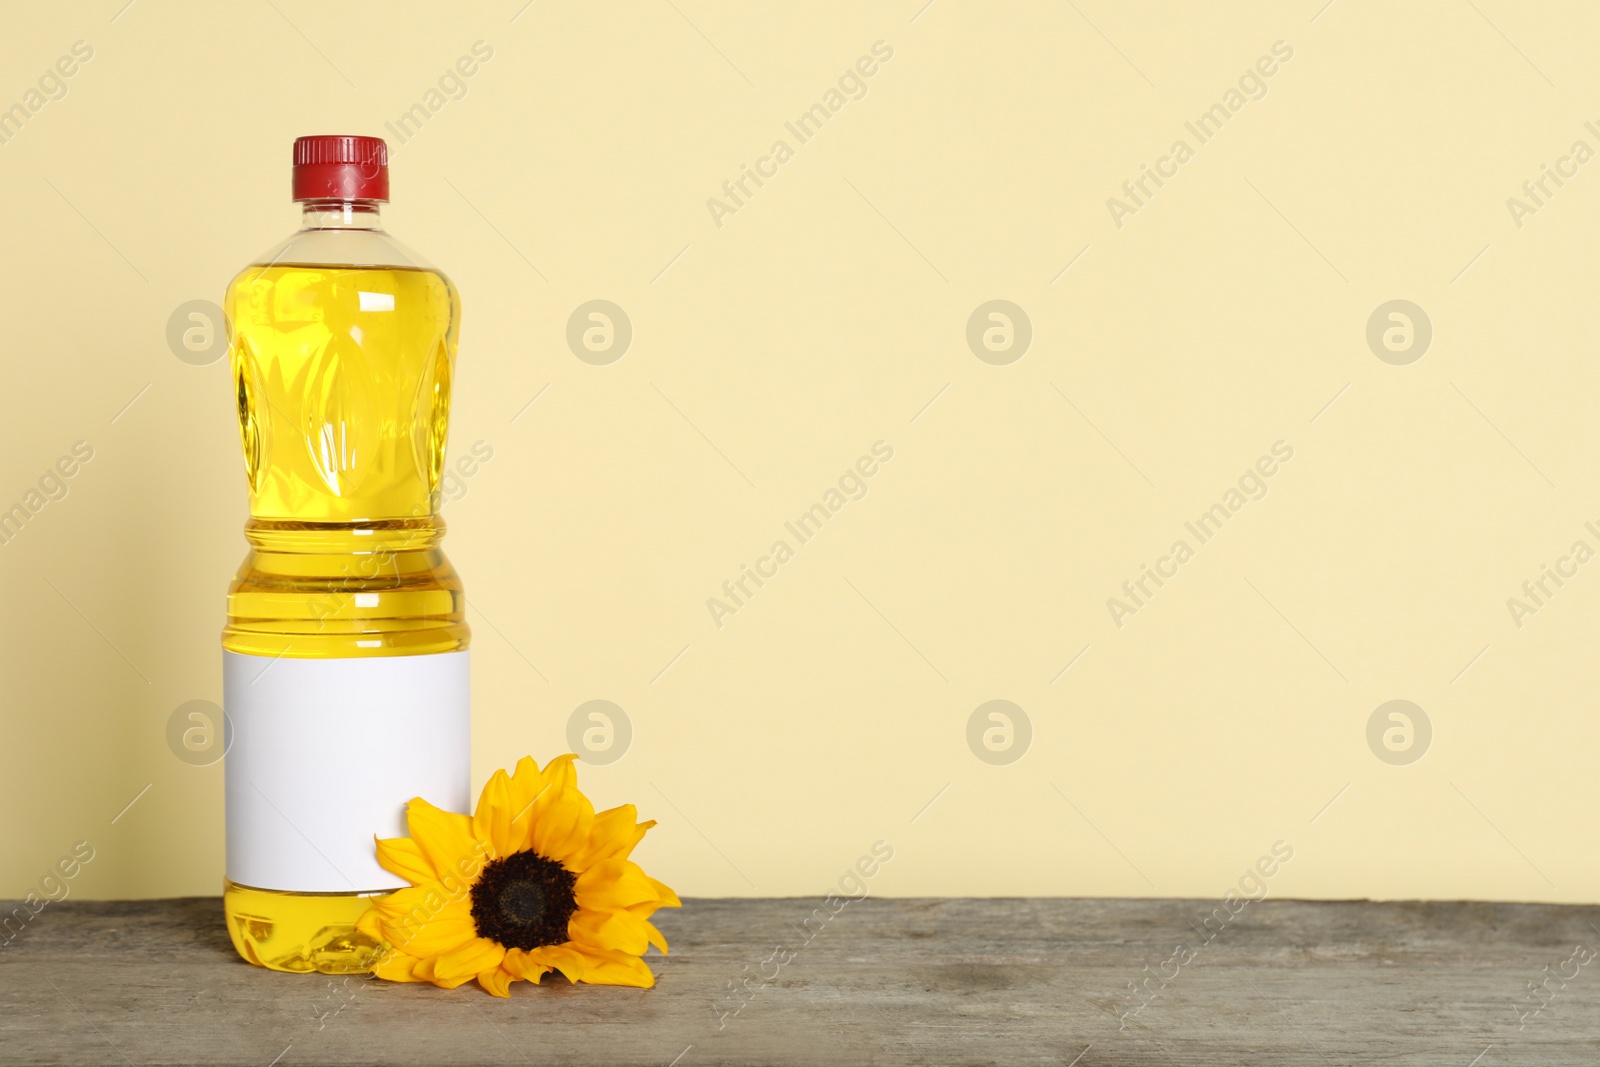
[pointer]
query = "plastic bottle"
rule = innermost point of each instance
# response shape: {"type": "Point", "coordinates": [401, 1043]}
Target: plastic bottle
{"type": "Point", "coordinates": [345, 651]}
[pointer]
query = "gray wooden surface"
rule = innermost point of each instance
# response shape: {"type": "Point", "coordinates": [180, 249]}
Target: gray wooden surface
{"type": "Point", "coordinates": [882, 982]}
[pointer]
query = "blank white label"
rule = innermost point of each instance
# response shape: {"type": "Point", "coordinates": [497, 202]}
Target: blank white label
{"type": "Point", "coordinates": [325, 754]}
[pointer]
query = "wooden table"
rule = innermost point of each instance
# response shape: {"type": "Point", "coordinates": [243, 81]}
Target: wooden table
{"type": "Point", "coordinates": [882, 982]}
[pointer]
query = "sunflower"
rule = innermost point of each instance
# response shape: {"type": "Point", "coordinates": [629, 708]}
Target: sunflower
{"type": "Point", "coordinates": [534, 880]}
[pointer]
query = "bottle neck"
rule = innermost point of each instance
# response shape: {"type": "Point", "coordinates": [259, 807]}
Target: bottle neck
{"type": "Point", "coordinates": [340, 215]}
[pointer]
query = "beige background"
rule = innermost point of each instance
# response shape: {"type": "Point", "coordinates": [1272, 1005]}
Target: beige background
{"type": "Point", "coordinates": [1227, 314]}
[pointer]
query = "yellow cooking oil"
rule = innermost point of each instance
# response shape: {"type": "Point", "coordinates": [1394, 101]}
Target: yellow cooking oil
{"type": "Point", "coordinates": [342, 377]}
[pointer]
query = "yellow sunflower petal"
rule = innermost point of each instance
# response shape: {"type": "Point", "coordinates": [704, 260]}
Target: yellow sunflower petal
{"type": "Point", "coordinates": [643, 911]}
{"type": "Point", "coordinates": [401, 856]}
{"type": "Point", "coordinates": [471, 959]}
{"type": "Point", "coordinates": [496, 981]}
{"type": "Point", "coordinates": [492, 821]}
{"type": "Point", "coordinates": [402, 921]}
{"type": "Point", "coordinates": [445, 838]}
{"type": "Point", "coordinates": [407, 898]}
{"type": "Point", "coordinates": [609, 930]}
{"type": "Point", "coordinates": [564, 958]}
{"type": "Point", "coordinates": [614, 884]}
{"type": "Point", "coordinates": [655, 937]}
{"type": "Point", "coordinates": [397, 967]}
{"type": "Point", "coordinates": [477, 956]}
{"type": "Point", "coordinates": [524, 965]}
{"type": "Point", "coordinates": [526, 783]}
{"type": "Point", "coordinates": [613, 835]}
{"type": "Point", "coordinates": [664, 893]}
{"type": "Point", "coordinates": [411, 907]}
{"type": "Point", "coordinates": [432, 938]}
{"type": "Point", "coordinates": [371, 924]}
{"type": "Point", "coordinates": [564, 829]}
{"type": "Point", "coordinates": [562, 817]}
{"type": "Point", "coordinates": [616, 968]}
{"type": "Point", "coordinates": [665, 898]}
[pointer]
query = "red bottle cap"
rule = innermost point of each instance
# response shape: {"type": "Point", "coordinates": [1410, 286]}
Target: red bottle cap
{"type": "Point", "coordinates": [341, 168]}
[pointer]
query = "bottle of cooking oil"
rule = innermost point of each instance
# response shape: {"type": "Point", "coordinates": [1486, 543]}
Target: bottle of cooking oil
{"type": "Point", "coordinates": [345, 652]}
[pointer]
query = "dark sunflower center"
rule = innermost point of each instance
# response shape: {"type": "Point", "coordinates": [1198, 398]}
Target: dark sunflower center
{"type": "Point", "coordinates": [524, 901]}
